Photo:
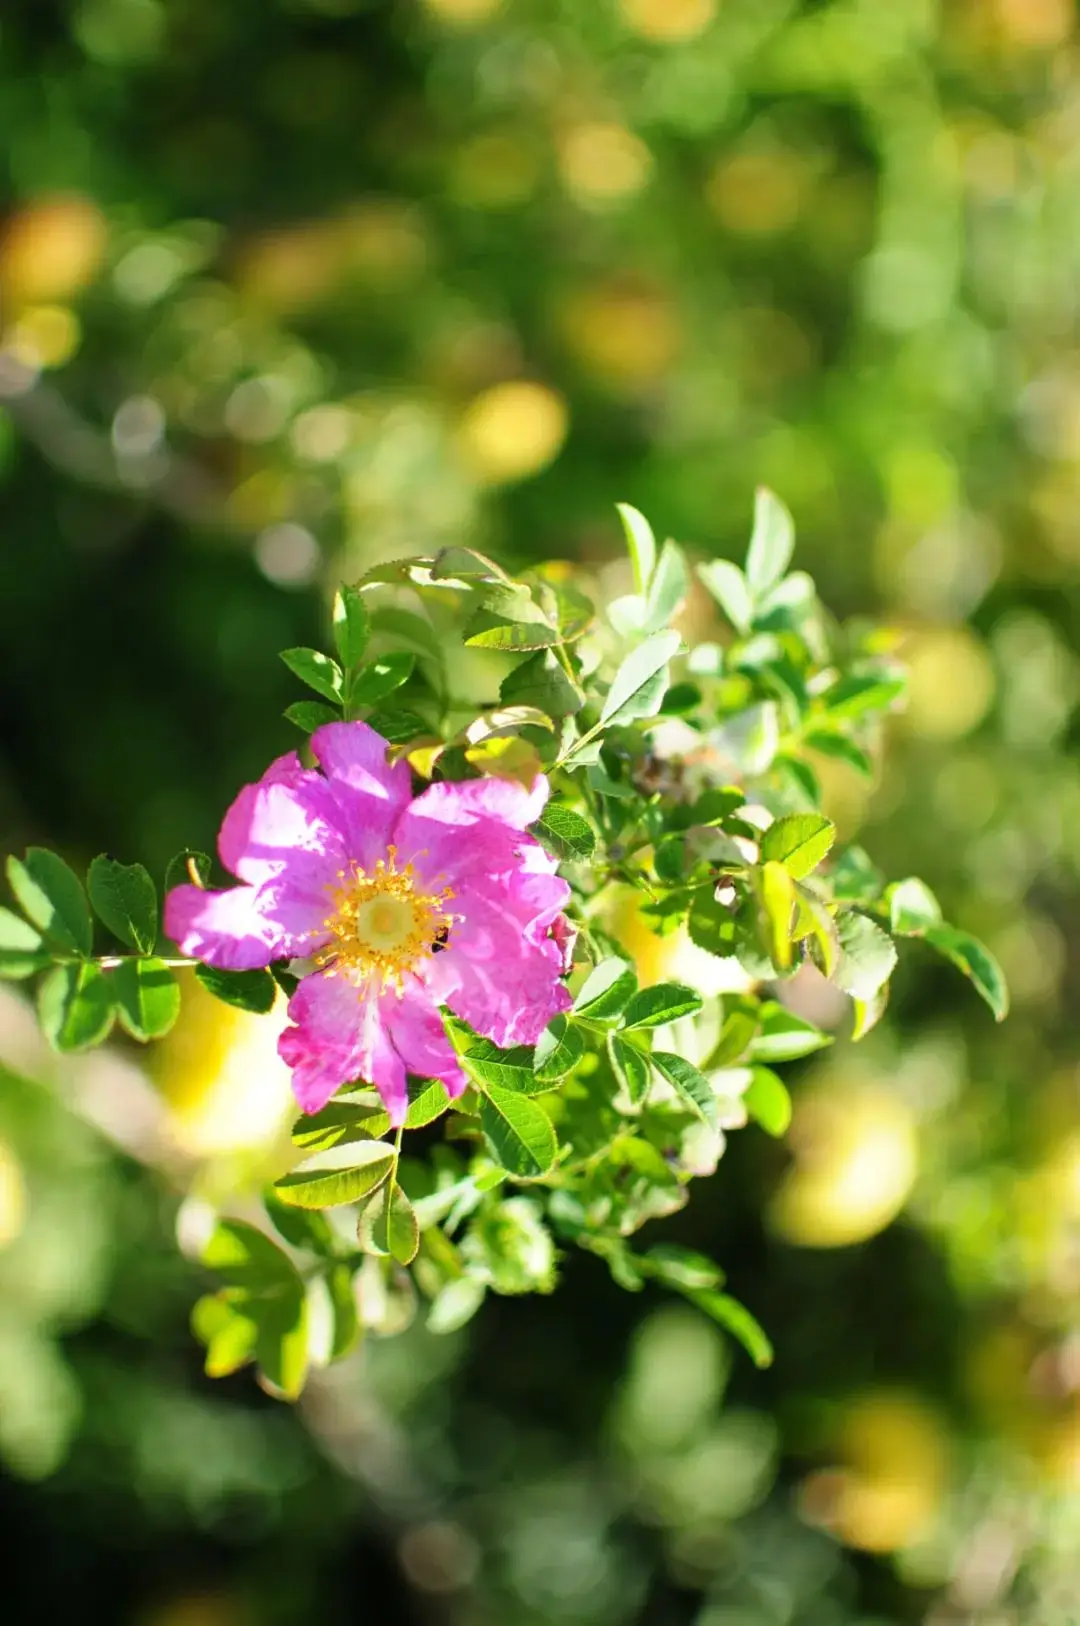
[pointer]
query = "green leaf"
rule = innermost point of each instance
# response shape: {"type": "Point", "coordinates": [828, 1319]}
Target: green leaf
{"type": "Point", "coordinates": [681, 1268]}
{"type": "Point", "coordinates": [427, 1106]}
{"type": "Point", "coordinates": [264, 1289]}
{"type": "Point", "coordinates": [400, 727]}
{"type": "Point", "coordinates": [188, 868]}
{"type": "Point", "coordinates": [396, 1230]}
{"type": "Point", "coordinates": [125, 898]}
{"type": "Point", "coordinates": [565, 833]}
{"type": "Point", "coordinates": [248, 990]}
{"type": "Point", "coordinates": [867, 1013]}
{"type": "Point", "coordinates": [146, 996]}
{"type": "Point", "coordinates": [74, 1007]}
{"type": "Point", "coordinates": [511, 1069]}
{"type": "Point", "coordinates": [711, 924]}
{"type": "Point", "coordinates": [664, 1002]}
{"type": "Point", "coordinates": [693, 1087]}
{"type": "Point", "coordinates": [668, 589]}
{"type": "Point", "coordinates": [355, 1115]}
{"type": "Point", "coordinates": [51, 896]}
{"type": "Point", "coordinates": [867, 955]}
{"type": "Point", "coordinates": [842, 749]}
{"type": "Point", "coordinates": [455, 1304]}
{"type": "Point", "coordinates": [308, 715]}
{"type": "Point", "coordinates": [736, 1037]}
{"type": "Point", "coordinates": [737, 1320]}
{"type": "Point", "coordinates": [318, 671]}
{"type": "Point", "coordinates": [768, 1102]}
{"type": "Point", "coordinates": [350, 622]}
{"type": "Point", "coordinates": [339, 1283]}
{"type": "Point", "coordinates": [776, 892]}
{"type": "Point", "coordinates": [512, 637]}
{"type": "Point", "coordinates": [228, 1330]}
{"type": "Point", "coordinates": [380, 678]}
{"type": "Point", "coordinates": [912, 907]}
{"type": "Point", "coordinates": [558, 1051]}
{"type": "Point", "coordinates": [975, 961]}
{"type": "Point", "coordinates": [21, 949]}
{"type": "Point", "coordinates": [606, 991]}
{"type": "Point", "coordinates": [633, 692]}
{"type": "Point", "coordinates": [541, 681]}
{"type": "Point", "coordinates": [727, 584]}
{"type": "Point", "coordinates": [519, 1133]}
{"type": "Point", "coordinates": [641, 544]}
{"type": "Point", "coordinates": [855, 877]}
{"type": "Point", "coordinates": [337, 1175]}
{"type": "Point", "coordinates": [799, 841]}
{"type": "Point", "coordinates": [301, 1227]}
{"type": "Point", "coordinates": [783, 1036]}
{"type": "Point", "coordinates": [856, 696]}
{"type": "Point", "coordinates": [630, 1066]}
{"type": "Point", "coordinates": [406, 627]}
{"type": "Point", "coordinates": [815, 920]}
{"type": "Point", "coordinates": [771, 544]}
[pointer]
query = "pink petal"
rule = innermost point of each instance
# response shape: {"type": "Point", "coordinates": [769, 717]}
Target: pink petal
{"type": "Point", "coordinates": [475, 828]}
{"type": "Point", "coordinates": [341, 1036]}
{"type": "Point", "coordinates": [283, 768]}
{"type": "Point", "coordinates": [496, 972]}
{"type": "Point", "coordinates": [465, 801]}
{"type": "Point", "coordinates": [286, 825]}
{"type": "Point", "coordinates": [368, 793]}
{"type": "Point", "coordinates": [420, 1040]}
{"type": "Point", "coordinates": [226, 929]}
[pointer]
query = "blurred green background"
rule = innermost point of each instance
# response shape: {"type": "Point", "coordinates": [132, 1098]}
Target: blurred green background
{"type": "Point", "coordinates": [290, 286]}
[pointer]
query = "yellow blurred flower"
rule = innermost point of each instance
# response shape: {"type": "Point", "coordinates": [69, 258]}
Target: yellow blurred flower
{"type": "Point", "coordinates": [668, 22]}
{"type": "Point", "coordinates": [856, 1158]}
{"type": "Point", "coordinates": [513, 430]}
{"type": "Point", "coordinates": [891, 1476]}
{"type": "Point", "coordinates": [626, 334]}
{"type": "Point", "coordinates": [44, 336]}
{"type": "Point", "coordinates": [951, 683]}
{"type": "Point", "coordinates": [672, 958]}
{"type": "Point", "coordinates": [51, 249]}
{"type": "Point", "coordinates": [601, 164]}
{"type": "Point", "coordinates": [219, 1071]}
{"type": "Point", "coordinates": [13, 1200]}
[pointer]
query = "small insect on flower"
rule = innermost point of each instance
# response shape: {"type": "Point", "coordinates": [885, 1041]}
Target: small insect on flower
{"type": "Point", "coordinates": [402, 905]}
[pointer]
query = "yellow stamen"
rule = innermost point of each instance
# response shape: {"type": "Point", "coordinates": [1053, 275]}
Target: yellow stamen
{"type": "Point", "coordinates": [381, 925]}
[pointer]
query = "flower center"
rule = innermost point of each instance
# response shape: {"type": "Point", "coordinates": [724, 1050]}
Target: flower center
{"type": "Point", "coordinates": [380, 925]}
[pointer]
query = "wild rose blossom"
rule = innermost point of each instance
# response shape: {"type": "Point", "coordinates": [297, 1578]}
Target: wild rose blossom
{"type": "Point", "coordinates": [401, 905]}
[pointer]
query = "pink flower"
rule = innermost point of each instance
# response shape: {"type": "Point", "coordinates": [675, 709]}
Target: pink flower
{"type": "Point", "coordinates": [403, 904]}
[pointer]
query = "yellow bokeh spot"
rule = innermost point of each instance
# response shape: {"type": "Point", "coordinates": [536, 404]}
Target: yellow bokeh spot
{"type": "Point", "coordinates": [951, 683]}
{"type": "Point", "coordinates": [668, 22]}
{"type": "Point", "coordinates": [513, 430]}
{"type": "Point", "coordinates": [463, 13]}
{"type": "Point", "coordinates": [51, 249]}
{"type": "Point", "coordinates": [756, 193]}
{"type": "Point", "coordinates": [44, 336]}
{"type": "Point", "coordinates": [671, 958]}
{"type": "Point", "coordinates": [13, 1202]}
{"type": "Point", "coordinates": [219, 1071]}
{"type": "Point", "coordinates": [856, 1158]}
{"type": "Point", "coordinates": [625, 335]}
{"type": "Point", "coordinates": [1040, 24]}
{"type": "Point", "coordinates": [892, 1474]}
{"type": "Point", "coordinates": [603, 163]}
{"type": "Point", "coordinates": [291, 269]}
